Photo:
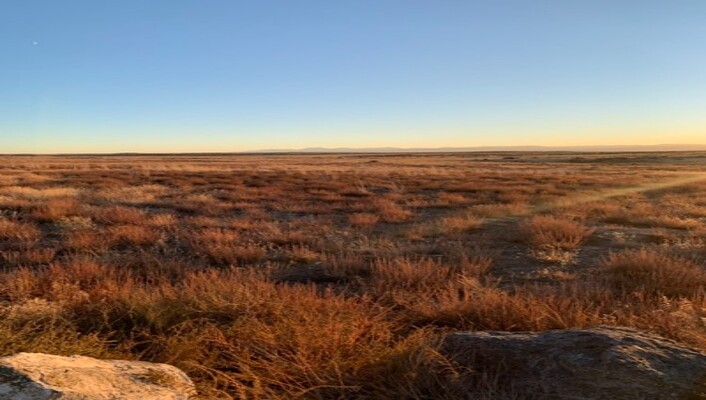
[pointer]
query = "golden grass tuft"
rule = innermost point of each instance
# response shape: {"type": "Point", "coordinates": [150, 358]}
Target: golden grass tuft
{"type": "Point", "coordinates": [547, 232]}
{"type": "Point", "coordinates": [389, 211]}
{"type": "Point", "coordinates": [120, 215]}
{"type": "Point", "coordinates": [654, 273]}
{"type": "Point", "coordinates": [54, 209]}
{"type": "Point", "coordinates": [22, 231]}
{"type": "Point", "coordinates": [131, 235]}
{"type": "Point", "coordinates": [363, 220]}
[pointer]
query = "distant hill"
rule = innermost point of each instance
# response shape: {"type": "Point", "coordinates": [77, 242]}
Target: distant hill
{"type": "Point", "coordinates": [477, 149]}
{"type": "Point", "coordinates": [622, 148]}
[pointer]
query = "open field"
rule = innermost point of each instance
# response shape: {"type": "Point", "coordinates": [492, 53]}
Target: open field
{"type": "Point", "coordinates": [335, 276]}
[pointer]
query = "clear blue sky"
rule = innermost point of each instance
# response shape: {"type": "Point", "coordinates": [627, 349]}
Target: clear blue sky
{"type": "Point", "coordinates": [210, 75]}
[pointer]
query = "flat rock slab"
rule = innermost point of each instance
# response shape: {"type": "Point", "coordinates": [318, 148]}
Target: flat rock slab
{"type": "Point", "coordinates": [36, 376]}
{"type": "Point", "coordinates": [588, 364]}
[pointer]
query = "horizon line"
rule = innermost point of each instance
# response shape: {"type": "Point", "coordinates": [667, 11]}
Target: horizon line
{"type": "Point", "coordinates": [627, 148]}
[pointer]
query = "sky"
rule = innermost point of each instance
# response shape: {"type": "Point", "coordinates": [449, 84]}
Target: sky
{"type": "Point", "coordinates": [228, 75]}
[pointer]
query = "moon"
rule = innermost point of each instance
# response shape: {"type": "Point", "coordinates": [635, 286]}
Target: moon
{"type": "Point", "coordinates": [34, 43]}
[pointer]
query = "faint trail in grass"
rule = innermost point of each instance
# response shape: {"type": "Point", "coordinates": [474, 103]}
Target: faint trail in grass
{"type": "Point", "coordinates": [584, 198]}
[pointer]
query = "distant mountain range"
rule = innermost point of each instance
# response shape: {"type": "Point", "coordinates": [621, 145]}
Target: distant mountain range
{"type": "Point", "coordinates": [477, 149]}
{"type": "Point", "coordinates": [609, 148]}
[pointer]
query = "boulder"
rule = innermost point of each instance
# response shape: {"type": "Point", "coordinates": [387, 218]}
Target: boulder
{"type": "Point", "coordinates": [600, 363]}
{"type": "Point", "coordinates": [36, 376]}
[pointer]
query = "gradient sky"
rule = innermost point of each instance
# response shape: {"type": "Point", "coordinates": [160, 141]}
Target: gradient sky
{"type": "Point", "coordinates": [209, 75]}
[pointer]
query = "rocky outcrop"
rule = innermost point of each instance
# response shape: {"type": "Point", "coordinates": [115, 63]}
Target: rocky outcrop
{"type": "Point", "coordinates": [599, 363]}
{"type": "Point", "coordinates": [36, 376]}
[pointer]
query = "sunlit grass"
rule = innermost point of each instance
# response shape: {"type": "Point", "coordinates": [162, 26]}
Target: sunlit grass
{"type": "Point", "coordinates": [333, 277]}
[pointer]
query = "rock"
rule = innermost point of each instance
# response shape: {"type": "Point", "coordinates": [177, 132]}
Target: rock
{"type": "Point", "coordinates": [600, 363]}
{"type": "Point", "coordinates": [36, 376]}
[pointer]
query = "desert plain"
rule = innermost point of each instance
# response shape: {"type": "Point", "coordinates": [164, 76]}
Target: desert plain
{"type": "Point", "coordinates": [338, 275]}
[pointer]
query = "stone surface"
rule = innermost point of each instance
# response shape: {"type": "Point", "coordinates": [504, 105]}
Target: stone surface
{"type": "Point", "coordinates": [599, 363]}
{"type": "Point", "coordinates": [36, 376]}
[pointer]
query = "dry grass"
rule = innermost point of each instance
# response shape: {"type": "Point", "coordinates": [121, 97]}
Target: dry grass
{"type": "Point", "coordinates": [56, 208]}
{"type": "Point", "coordinates": [128, 235]}
{"type": "Point", "coordinates": [119, 215]}
{"type": "Point", "coordinates": [364, 220]}
{"type": "Point", "coordinates": [22, 231]}
{"type": "Point", "coordinates": [85, 239]}
{"type": "Point", "coordinates": [460, 223]}
{"type": "Point", "coordinates": [551, 238]}
{"type": "Point", "coordinates": [389, 211]}
{"type": "Point", "coordinates": [655, 273]}
{"type": "Point", "coordinates": [322, 277]}
{"type": "Point", "coordinates": [544, 232]}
